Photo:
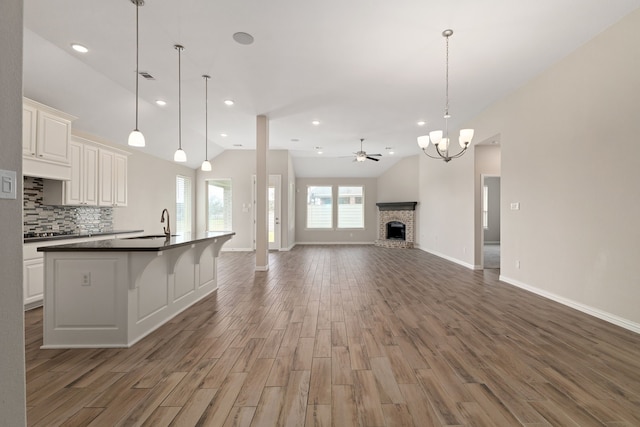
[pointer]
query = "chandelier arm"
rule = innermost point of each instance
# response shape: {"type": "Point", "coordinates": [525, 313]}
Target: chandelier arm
{"type": "Point", "coordinates": [439, 157]}
{"type": "Point", "coordinates": [460, 153]}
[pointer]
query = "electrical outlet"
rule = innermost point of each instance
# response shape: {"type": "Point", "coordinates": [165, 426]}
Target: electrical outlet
{"type": "Point", "coordinates": [86, 279]}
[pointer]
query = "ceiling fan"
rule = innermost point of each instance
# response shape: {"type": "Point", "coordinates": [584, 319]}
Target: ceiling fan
{"type": "Point", "coordinates": [361, 155]}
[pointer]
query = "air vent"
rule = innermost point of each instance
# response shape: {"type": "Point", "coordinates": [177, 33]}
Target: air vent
{"type": "Point", "coordinates": [147, 75]}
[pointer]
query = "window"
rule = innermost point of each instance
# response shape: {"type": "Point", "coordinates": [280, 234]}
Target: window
{"type": "Point", "coordinates": [485, 207]}
{"type": "Point", "coordinates": [351, 207]}
{"type": "Point", "coordinates": [319, 207]}
{"type": "Point", "coordinates": [219, 211]}
{"type": "Point", "coordinates": [183, 204]}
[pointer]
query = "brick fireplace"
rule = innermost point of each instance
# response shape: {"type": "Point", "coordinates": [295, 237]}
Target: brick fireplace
{"type": "Point", "coordinates": [396, 224]}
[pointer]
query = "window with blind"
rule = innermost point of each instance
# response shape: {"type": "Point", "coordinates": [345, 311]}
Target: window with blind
{"type": "Point", "coordinates": [183, 205]}
{"type": "Point", "coordinates": [319, 207]}
{"type": "Point", "coordinates": [351, 207]}
{"type": "Point", "coordinates": [219, 211]}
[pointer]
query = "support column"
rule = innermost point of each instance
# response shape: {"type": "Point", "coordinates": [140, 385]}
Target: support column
{"type": "Point", "coordinates": [262, 180]}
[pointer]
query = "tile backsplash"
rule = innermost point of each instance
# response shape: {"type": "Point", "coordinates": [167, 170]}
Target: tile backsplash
{"type": "Point", "coordinates": [39, 217]}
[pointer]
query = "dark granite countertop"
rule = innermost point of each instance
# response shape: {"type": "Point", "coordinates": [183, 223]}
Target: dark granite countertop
{"type": "Point", "coordinates": [149, 243]}
{"type": "Point", "coordinates": [78, 236]}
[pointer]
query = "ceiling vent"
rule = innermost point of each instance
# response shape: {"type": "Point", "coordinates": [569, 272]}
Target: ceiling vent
{"type": "Point", "coordinates": [147, 75]}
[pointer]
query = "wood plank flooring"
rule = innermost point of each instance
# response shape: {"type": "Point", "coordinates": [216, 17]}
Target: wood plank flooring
{"type": "Point", "coordinates": [349, 336]}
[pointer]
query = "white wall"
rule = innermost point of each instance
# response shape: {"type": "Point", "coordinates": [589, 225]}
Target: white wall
{"type": "Point", "coordinates": [571, 158]}
{"type": "Point", "coordinates": [239, 166]}
{"type": "Point", "coordinates": [400, 182]}
{"type": "Point", "coordinates": [366, 235]}
{"type": "Point", "coordinates": [12, 371]}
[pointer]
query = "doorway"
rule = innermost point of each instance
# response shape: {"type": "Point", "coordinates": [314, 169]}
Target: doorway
{"type": "Point", "coordinates": [491, 222]}
{"type": "Point", "coordinates": [273, 212]}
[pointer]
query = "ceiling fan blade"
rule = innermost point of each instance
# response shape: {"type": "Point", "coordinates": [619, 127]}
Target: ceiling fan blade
{"type": "Point", "coordinates": [378, 155]}
{"type": "Point", "coordinates": [373, 158]}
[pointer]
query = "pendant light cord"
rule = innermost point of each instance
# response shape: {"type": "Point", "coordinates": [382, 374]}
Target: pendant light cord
{"type": "Point", "coordinates": [137, 61]}
{"type": "Point", "coordinates": [179, 99]}
{"type": "Point", "coordinates": [206, 117]}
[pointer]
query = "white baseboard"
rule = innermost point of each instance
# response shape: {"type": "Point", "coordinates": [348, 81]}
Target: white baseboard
{"type": "Point", "coordinates": [592, 311]}
{"type": "Point", "coordinates": [262, 267]}
{"type": "Point", "coordinates": [236, 249]}
{"type": "Point", "coordinates": [288, 249]}
{"type": "Point", "coordinates": [454, 260]}
{"type": "Point", "coordinates": [334, 243]}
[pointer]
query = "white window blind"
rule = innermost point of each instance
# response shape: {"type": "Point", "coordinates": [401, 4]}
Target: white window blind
{"type": "Point", "coordinates": [319, 207]}
{"type": "Point", "coordinates": [351, 207]}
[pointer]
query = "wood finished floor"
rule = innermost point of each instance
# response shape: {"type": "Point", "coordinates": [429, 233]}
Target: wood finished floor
{"type": "Point", "coordinates": [349, 336]}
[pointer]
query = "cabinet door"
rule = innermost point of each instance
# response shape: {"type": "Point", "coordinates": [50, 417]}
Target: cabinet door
{"type": "Point", "coordinates": [105, 178]}
{"type": "Point", "coordinates": [120, 180]}
{"type": "Point", "coordinates": [90, 173]}
{"type": "Point", "coordinates": [29, 125]}
{"type": "Point", "coordinates": [33, 280]}
{"type": "Point", "coordinates": [73, 188]}
{"type": "Point", "coordinates": [53, 137]}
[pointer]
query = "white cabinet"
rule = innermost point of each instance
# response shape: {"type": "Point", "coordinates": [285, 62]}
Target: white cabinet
{"type": "Point", "coordinates": [45, 141]}
{"type": "Point", "coordinates": [112, 179]}
{"type": "Point", "coordinates": [82, 189]}
{"type": "Point", "coordinates": [33, 278]}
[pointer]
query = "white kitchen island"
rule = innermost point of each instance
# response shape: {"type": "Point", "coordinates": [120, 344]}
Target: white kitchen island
{"type": "Point", "coordinates": [113, 293]}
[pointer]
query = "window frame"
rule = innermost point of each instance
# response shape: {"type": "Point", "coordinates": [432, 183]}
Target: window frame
{"type": "Point", "coordinates": [331, 216]}
{"type": "Point", "coordinates": [229, 209]}
{"type": "Point", "coordinates": [362, 204]}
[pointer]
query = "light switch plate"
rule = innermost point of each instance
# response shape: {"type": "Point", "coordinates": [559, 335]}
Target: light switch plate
{"type": "Point", "coordinates": [515, 206]}
{"type": "Point", "coordinates": [7, 184]}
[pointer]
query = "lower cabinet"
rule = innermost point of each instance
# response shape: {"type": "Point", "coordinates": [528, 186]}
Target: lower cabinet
{"type": "Point", "coordinates": [33, 266]}
{"type": "Point", "coordinates": [33, 279]}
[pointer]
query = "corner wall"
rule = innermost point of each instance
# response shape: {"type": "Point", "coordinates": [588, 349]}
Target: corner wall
{"type": "Point", "coordinates": [571, 159]}
{"type": "Point", "coordinates": [12, 368]}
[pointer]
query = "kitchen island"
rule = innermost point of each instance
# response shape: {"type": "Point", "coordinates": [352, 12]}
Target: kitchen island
{"type": "Point", "coordinates": [112, 293]}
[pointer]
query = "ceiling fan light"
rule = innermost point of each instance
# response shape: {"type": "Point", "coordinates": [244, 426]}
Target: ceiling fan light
{"type": "Point", "coordinates": [423, 141]}
{"type": "Point", "coordinates": [436, 136]}
{"type": "Point", "coordinates": [180, 156]}
{"type": "Point", "coordinates": [361, 158]}
{"type": "Point", "coordinates": [136, 139]}
{"type": "Point", "coordinates": [206, 166]}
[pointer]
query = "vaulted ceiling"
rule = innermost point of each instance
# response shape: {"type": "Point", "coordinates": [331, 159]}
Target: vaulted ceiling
{"type": "Point", "coordinates": [363, 68]}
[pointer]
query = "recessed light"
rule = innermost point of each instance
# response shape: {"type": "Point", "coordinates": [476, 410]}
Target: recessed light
{"type": "Point", "coordinates": [161, 103]}
{"type": "Point", "coordinates": [422, 123]}
{"type": "Point", "coordinates": [229, 102]}
{"type": "Point", "coordinates": [315, 122]}
{"type": "Point", "coordinates": [224, 135]}
{"type": "Point", "coordinates": [79, 48]}
{"type": "Point", "coordinates": [319, 150]}
{"type": "Point", "coordinates": [243, 38]}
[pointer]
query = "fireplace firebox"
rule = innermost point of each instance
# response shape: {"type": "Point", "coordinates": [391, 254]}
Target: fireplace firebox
{"type": "Point", "coordinates": [396, 230]}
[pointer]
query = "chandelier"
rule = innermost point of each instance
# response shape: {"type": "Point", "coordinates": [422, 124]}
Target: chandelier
{"type": "Point", "coordinates": [440, 139]}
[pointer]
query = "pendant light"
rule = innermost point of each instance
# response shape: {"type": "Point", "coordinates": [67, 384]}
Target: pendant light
{"type": "Point", "coordinates": [439, 139]}
{"type": "Point", "coordinates": [206, 165]}
{"type": "Point", "coordinates": [136, 138]}
{"type": "Point", "coordinates": [179, 155]}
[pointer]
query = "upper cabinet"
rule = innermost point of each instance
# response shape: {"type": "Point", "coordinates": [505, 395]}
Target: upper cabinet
{"type": "Point", "coordinates": [46, 133]}
{"type": "Point", "coordinates": [112, 180]}
{"type": "Point", "coordinates": [82, 189]}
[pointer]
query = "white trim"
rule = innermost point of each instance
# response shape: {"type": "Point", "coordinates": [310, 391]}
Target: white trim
{"type": "Point", "coordinates": [288, 249]}
{"type": "Point", "coordinates": [592, 311]}
{"type": "Point", "coordinates": [492, 243]}
{"type": "Point", "coordinates": [237, 250]}
{"type": "Point", "coordinates": [262, 267]}
{"type": "Point", "coordinates": [454, 260]}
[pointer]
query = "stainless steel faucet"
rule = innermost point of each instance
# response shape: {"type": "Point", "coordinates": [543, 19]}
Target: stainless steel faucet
{"type": "Point", "coordinates": [167, 229]}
